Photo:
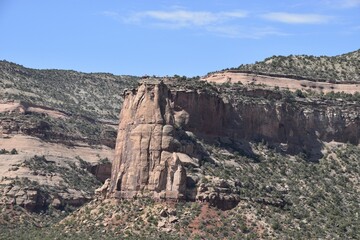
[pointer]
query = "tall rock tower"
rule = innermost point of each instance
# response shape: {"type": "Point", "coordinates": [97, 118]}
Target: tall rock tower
{"type": "Point", "coordinates": [145, 162]}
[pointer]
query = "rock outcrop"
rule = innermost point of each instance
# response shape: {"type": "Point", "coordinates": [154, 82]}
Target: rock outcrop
{"type": "Point", "coordinates": [30, 199]}
{"type": "Point", "coordinates": [102, 171]}
{"type": "Point", "coordinates": [146, 163]}
{"type": "Point", "coordinates": [152, 157]}
{"type": "Point", "coordinates": [35, 199]}
{"type": "Point", "coordinates": [292, 126]}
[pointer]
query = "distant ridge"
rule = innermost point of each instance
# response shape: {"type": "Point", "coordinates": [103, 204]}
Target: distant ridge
{"type": "Point", "coordinates": [341, 68]}
{"type": "Point", "coordinates": [89, 94]}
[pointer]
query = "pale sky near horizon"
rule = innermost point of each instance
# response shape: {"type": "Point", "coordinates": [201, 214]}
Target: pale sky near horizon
{"type": "Point", "coordinates": [171, 37]}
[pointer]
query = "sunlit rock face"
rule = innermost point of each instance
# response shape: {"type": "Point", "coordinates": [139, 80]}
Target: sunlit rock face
{"type": "Point", "coordinates": [146, 163]}
{"type": "Point", "coordinates": [151, 155]}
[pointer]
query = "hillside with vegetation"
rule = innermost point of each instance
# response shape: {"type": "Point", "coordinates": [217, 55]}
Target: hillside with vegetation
{"type": "Point", "coordinates": [341, 68]}
{"type": "Point", "coordinates": [309, 191]}
{"type": "Point", "coordinates": [96, 95]}
{"type": "Point", "coordinates": [282, 195]}
{"type": "Point", "coordinates": [88, 103]}
{"type": "Point", "coordinates": [57, 134]}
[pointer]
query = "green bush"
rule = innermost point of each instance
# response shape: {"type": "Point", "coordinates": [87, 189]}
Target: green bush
{"type": "Point", "coordinates": [13, 151]}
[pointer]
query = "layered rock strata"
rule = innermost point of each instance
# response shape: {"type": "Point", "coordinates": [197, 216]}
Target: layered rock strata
{"type": "Point", "coordinates": [151, 157]}
{"type": "Point", "coordinates": [261, 115]}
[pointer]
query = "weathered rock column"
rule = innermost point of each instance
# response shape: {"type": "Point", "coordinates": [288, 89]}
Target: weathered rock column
{"type": "Point", "coordinates": [145, 162]}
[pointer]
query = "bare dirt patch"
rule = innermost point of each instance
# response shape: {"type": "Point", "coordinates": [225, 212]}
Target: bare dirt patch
{"type": "Point", "coordinates": [206, 213]}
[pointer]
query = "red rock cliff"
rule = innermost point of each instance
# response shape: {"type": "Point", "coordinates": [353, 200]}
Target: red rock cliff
{"type": "Point", "coordinates": [145, 162]}
{"type": "Point", "coordinates": [150, 154]}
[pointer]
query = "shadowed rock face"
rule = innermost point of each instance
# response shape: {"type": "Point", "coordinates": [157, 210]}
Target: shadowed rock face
{"type": "Point", "coordinates": [146, 163]}
{"type": "Point", "coordinates": [298, 127]}
{"type": "Point", "coordinates": [290, 126]}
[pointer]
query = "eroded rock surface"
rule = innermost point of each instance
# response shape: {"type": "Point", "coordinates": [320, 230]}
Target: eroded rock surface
{"type": "Point", "coordinates": [292, 126]}
{"type": "Point", "coordinates": [146, 163]}
{"type": "Point", "coordinates": [156, 143]}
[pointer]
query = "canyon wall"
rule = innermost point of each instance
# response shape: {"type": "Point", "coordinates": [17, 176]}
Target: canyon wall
{"type": "Point", "coordinates": [290, 125]}
{"type": "Point", "coordinates": [150, 156]}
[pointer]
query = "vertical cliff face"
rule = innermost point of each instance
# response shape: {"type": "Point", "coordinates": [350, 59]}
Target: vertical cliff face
{"type": "Point", "coordinates": [298, 126]}
{"type": "Point", "coordinates": [293, 126]}
{"type": "Point", "coordinates": [151, 153]}
{"type": "Point", "coordinates": [146, 163]}
{"type": "Point", "coordinates": [202, 113]}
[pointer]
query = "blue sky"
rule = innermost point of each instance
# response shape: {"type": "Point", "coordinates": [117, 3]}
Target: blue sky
{"type": "Point", "coordinates": [172, 37]}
